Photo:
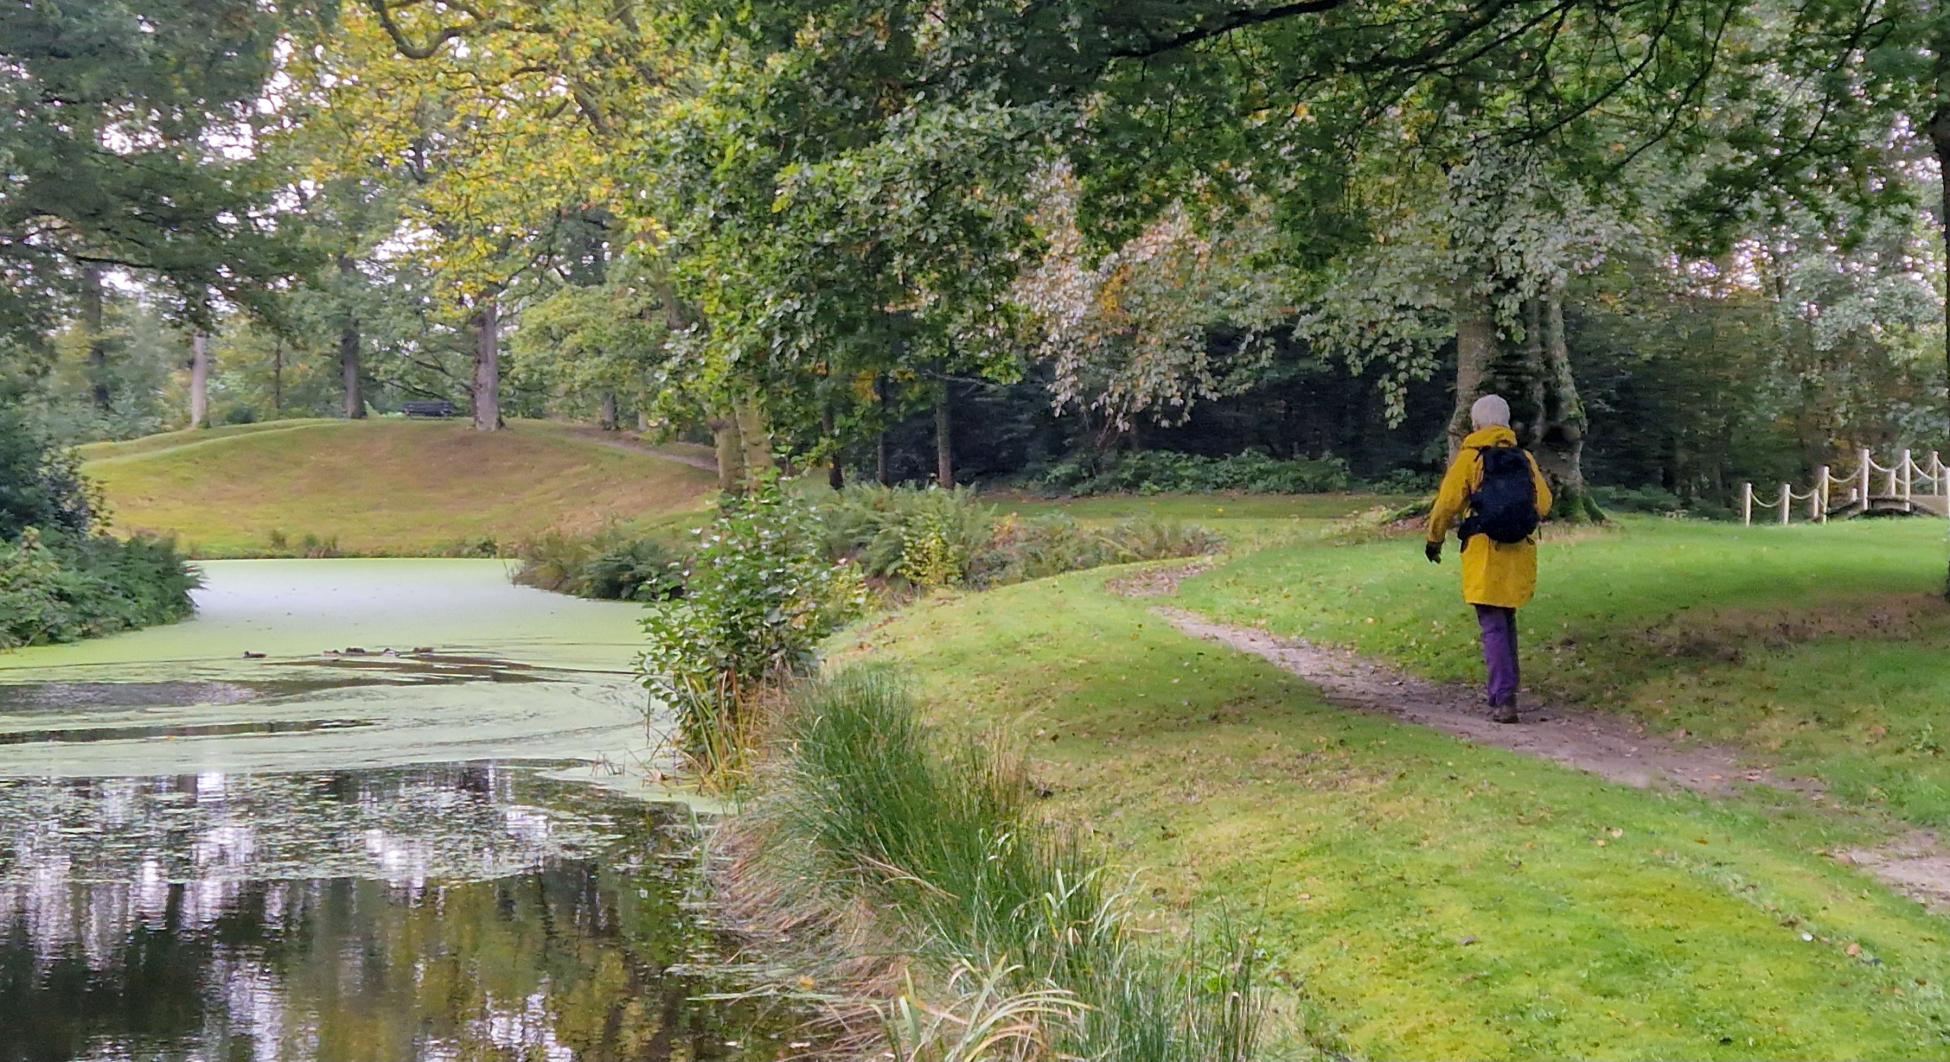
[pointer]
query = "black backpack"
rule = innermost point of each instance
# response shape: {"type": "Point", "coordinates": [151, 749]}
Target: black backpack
{"type": "Point", "coordinates": [1504, 507]}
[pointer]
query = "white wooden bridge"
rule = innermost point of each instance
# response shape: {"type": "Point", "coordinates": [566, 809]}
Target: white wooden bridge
{"type": "Point", "coordinates": [1908, 486]}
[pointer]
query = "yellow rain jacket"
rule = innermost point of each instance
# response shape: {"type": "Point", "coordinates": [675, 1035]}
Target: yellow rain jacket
{"type": "Point", "coordinates": [1494, 573]}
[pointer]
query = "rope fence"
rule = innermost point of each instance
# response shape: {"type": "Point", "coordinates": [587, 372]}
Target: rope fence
{"type": "Point", "coordinates": [1907, 486]}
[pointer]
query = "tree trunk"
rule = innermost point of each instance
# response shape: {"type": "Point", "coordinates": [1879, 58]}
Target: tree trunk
{"type": "Point", "coordinates": [1560, 449]}
{"type": "Point", "coordinates": [349, 371]}
{"type": "Point", "coordinates": [642, 421]}
{"type": "Point", "coordinates": [754, 438]}
{"type": "Point", "coordinates": [199, 381]}
{"type": "Point", "coordinates": [1475, 349]}
{"type": "Point", "coordinates": [944, 441]}
{"type": "Point", "coordinates": [277, 377]}
{"type": "Point", "coordinates": [1527, 394]}
{"type": "Point", "coordinates": [487, 367]}
{"type": "Point", "coordinates": [607, 418]}
{"type": "Point", "coordinates": [349, 368]}
{"type": "Point", "coordinates": [91, 318]}
{"type": "Point", "coordinates": [731, 459]}
{"type": "Point", "coordinates": [1940, 141]}
{"type": "Point", "coordinates": [881, 471]}
{"type": "Point", "coordinates": [835, 476]}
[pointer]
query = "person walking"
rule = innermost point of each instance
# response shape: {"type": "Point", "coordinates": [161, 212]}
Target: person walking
{"type": "Point", "coordinates": [1494, 496]}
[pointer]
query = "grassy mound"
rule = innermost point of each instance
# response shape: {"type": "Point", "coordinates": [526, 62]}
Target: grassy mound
{"type": "Point", "coordinates": [383, 487]}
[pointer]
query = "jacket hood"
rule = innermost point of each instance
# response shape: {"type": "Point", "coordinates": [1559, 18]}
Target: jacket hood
{"type": "Point", "coordinates": [1496, 436]}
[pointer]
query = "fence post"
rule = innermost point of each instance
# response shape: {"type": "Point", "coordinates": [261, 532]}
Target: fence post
{"type": "Point", "coordinates": [1818, 509]}
{"type": "Point", "coordinates": [1747, 504]}
{"type": "Point", "coordinates": [1868, 469]}
{"type": "Point", "coordinates": [1787, 502]}
{"type": "Point", "coordinates": [1908, 468]}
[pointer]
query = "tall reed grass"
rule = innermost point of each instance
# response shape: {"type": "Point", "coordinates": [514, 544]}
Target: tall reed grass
{"type": "Point", "coordinates": [941, 839]}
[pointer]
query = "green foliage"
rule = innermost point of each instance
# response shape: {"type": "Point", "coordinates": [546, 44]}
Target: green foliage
{"type": "Point", "coordinates": [1036, 548]}
{"type": "Point", "coordinates": [1639, 500]}
{"type": "Point", "coordinates": [932, 537]}
{"type": "Point", "coordinates": [62, 588]}
{"type": "Point", "coordinates": [111, 110]}
{"type": "Point", "coordinates": [1404, 481]}
{"type": "Point", "coordinates": [924, 536]}
{"type": "Point", "coordinates": [760, 595]}
{"type": "Point", "coordinates": [614, 564]}
{"type": "Point", "coordinates": [1163, 471]}
{"type": "Point", "coordinates": [40, 484]}
{"type": "Point", "coordinates": [942, 838]}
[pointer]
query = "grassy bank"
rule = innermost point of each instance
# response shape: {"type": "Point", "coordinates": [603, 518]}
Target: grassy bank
{"type": "Point", "coordinates": [1423, 897]}
{"type": "Point", "coordinates": [1000, 933]}
{"type": "Point", "coordinates": [383, 487]}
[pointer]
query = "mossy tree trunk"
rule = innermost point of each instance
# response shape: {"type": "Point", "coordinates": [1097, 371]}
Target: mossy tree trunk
{"type": "Point", "coordinates": [1535, 377]}
{"type": "Point", "coordinates": [606, 417]}
{"type": "Point", "coordinates": [1560, 450]}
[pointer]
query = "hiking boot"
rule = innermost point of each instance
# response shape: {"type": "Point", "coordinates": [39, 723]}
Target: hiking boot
{"type": "Point", "coordinates": [1504, 713]}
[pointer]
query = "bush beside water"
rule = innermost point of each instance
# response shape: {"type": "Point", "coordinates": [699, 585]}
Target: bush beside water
{"type": "Point", "coordinates": [612, 565]}
{"type": "Point", "coordinates": [62, 578]}
{"type": "Point", "coordinates": [64, 587]}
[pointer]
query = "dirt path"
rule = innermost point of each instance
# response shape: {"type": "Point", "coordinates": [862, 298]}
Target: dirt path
{"type": "Point", "coordinates": [1916, 864]}
{"type": "Point", "coordinates": [1607, 746]}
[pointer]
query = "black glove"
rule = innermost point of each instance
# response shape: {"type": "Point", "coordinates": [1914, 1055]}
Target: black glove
{"type": "Point", "coordinates": [1433, 551]}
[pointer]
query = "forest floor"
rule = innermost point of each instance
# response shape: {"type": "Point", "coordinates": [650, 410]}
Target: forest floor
{"type": "Point", "coordinates": [387, 487]}
{"type": "Point", "coordinates": [1425, 886]}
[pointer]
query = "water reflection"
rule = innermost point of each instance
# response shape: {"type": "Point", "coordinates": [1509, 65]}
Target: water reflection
{"type": "Point", "coordinates": [461, 912]}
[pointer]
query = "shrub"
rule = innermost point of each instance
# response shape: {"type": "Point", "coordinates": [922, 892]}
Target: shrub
{"type": "Point", "coordinates": [1406, 481]}
{"type": "Point", "coordinates": [62, 588]}
{"type": "Point", "coordinates": [1638, 499]}
{"type": "Point", "coordinates": [1051, 545]}
{"type": "Point", "coordinates": [612, 565]}
{"type": "Point", "coordinates": [760, 594]}
{"type": "Point", "coordinates": [1162, 471]}
{"type": "Point", "coordinates": [926, 537]}
{"type": "Point", "coordinates": [934, 537]}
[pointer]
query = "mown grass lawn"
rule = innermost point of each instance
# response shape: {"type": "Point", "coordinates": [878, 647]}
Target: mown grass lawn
{"type": "Point", "coordinates": [1825, 649]}
{"type": "Point", "coordinates": [384, 487]}
{"type": "Point", "coordinates": [1425, 898]}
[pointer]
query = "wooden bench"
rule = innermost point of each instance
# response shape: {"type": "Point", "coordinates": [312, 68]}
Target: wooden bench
{"type": "Point", "coordinates": [438, 408]}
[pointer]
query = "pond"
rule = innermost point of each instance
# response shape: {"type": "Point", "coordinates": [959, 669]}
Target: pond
{"type": "Point", "coordinates": [410, 829]}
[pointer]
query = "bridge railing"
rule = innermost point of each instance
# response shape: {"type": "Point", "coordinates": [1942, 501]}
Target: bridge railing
{"type": "Point", "coordinates": [1908, 484]}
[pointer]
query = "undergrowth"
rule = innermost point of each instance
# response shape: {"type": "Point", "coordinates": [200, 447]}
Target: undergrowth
{"type": "Point", "coordinates": [58, 587]}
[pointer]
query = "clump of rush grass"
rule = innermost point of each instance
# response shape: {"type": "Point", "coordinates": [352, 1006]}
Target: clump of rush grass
{"type": "Point", "coordinates": [870, 810]}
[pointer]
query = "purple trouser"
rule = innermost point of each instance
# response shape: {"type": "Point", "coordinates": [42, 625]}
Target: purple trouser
{"type": "Point", "coordinates": [1499, 652]}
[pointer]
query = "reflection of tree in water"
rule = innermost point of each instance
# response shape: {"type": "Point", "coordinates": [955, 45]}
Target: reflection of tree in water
{"type": "Point", "coordinates": [564, 960]}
